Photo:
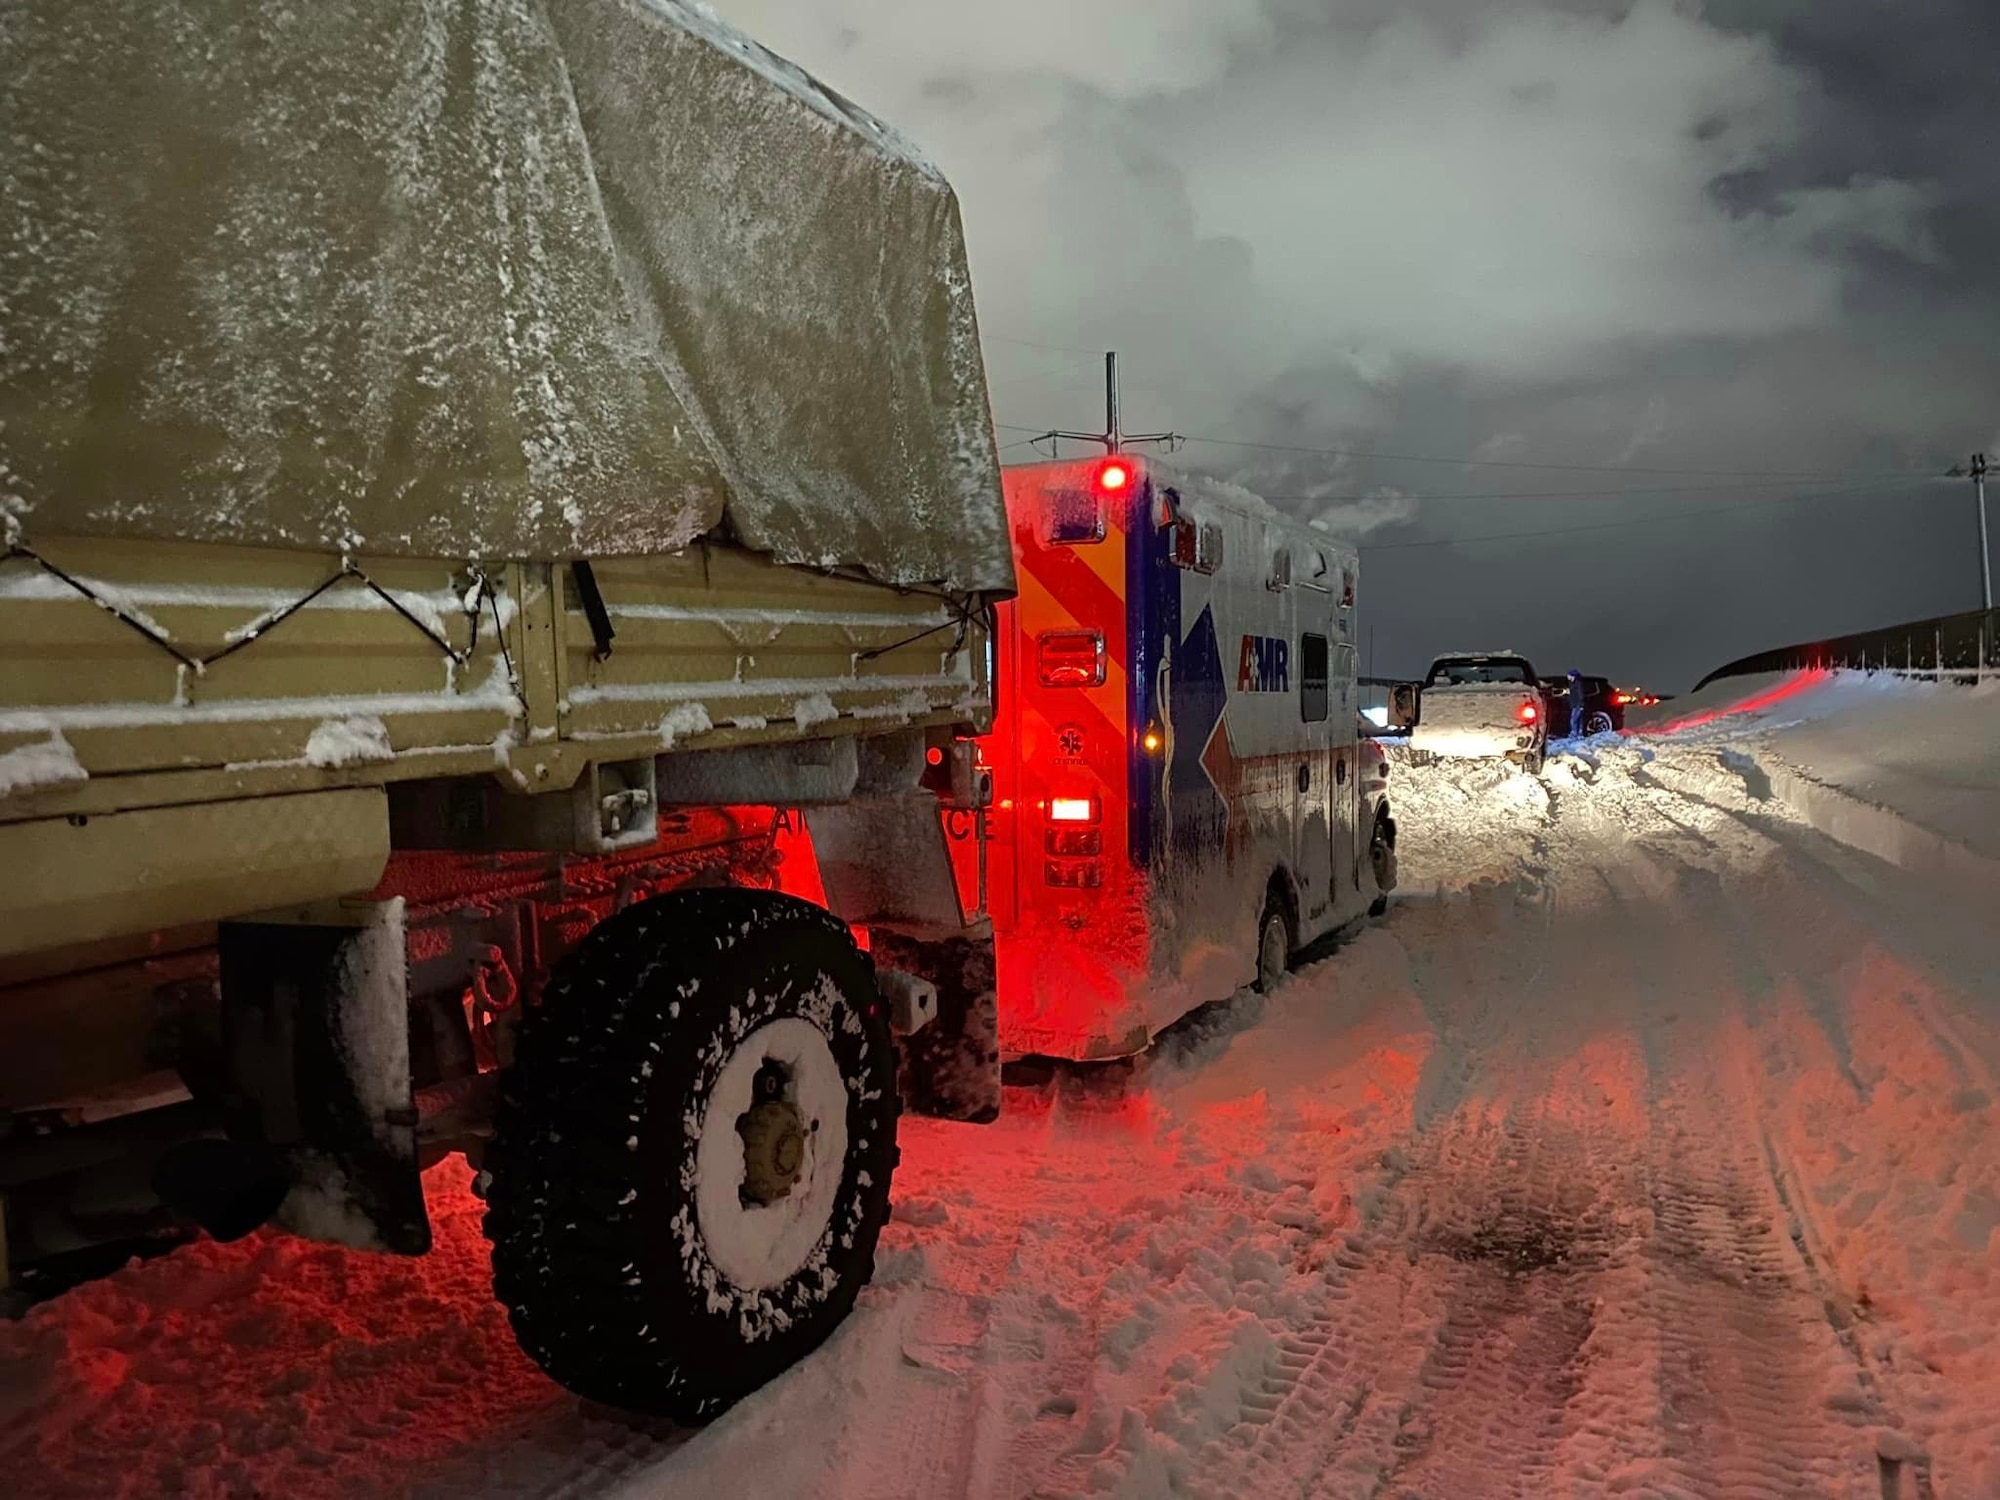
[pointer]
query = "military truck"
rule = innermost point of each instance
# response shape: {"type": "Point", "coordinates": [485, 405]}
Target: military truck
{"type": "Point", "coordinates": [474, 477]}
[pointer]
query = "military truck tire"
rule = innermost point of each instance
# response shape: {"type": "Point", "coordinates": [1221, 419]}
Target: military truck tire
{"type": "Point", "coordinates": [693, 1151]}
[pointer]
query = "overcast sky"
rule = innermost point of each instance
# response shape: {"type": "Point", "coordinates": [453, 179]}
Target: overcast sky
{"type": "Point", "coordinates": [1754, 239]}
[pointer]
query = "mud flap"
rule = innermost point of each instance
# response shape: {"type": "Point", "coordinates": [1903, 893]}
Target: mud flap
{"type": "Point", "coordinates": [887, 867]}
{"type": "Point", "coordinates": [951, 1068]}
{"type": "Point", "coordinates": [316, 1032]}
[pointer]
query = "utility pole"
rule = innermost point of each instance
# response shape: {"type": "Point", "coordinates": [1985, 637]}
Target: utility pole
{"type": "Point", "coordinates": [1976, 472]}
{"type": "Point", "coordinates": [1985, 556]}
{"type": "Point", "coordinates": [1113, 437]}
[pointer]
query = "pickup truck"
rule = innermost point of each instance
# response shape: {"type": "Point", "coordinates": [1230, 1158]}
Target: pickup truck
{"type": "Point", "coordinates": [471, 479]}
{"type": "Point", "coordinates": [1476, 706]}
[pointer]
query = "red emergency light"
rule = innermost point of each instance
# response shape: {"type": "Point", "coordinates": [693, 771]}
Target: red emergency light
{"type": "Point", "coordinates": [1527, 713]}
{"type": "Point", "coordinates": [1114, 477]}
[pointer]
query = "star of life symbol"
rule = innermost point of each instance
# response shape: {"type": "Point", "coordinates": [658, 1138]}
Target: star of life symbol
{"type": "Point", "coordinates": [1069, 740]}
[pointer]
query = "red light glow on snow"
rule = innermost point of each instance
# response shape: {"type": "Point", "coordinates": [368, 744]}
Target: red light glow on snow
{"type": "Point", "coordinates": [1791, 687]}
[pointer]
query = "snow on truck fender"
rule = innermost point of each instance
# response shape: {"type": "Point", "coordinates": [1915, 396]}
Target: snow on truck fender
{"type": "Point", "coordinates": [1174, 750]}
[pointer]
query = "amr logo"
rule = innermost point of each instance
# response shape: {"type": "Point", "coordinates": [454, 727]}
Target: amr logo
{"type": "Point", "coordinates": [1265, 665]}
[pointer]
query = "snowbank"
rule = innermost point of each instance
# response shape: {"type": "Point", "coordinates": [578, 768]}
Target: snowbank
{"type": "Point", "coordinates": [1930, 754]}
{"type": "Point", "coordinates": [1906, 770]}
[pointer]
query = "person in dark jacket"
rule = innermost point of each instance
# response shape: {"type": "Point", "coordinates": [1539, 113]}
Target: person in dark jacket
{"type": "Point", "coordinates": [1576, 705]}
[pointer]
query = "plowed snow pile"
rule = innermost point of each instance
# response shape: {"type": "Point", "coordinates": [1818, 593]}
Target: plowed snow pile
{"type": "Point", "coordinates": [1648, 1147]}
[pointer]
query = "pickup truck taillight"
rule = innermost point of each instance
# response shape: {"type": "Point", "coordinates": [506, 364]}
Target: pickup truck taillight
{"type": "Point", "coordinates": [1070, 658]}
{"type": "Point", "coordinates": [1528, 712]}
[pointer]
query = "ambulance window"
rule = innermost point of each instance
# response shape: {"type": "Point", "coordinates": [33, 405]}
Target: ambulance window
{"type": "Point", "coordinates": [1075, 517]}
{"type": "Point", "coordinates": [1312, 678]}
{"type": "Point", "coordinates": [1208, 549]}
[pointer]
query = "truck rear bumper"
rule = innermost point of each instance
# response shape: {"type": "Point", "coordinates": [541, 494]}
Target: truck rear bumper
{"type": "Point", "coordinates": [1473, 743]}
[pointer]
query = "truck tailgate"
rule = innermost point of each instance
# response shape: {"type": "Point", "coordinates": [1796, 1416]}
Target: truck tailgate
{"type": "Point", "coordinates": [1473, 720]}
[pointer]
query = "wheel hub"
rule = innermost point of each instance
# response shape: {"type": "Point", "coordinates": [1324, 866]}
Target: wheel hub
{"type": "Point", "coordinates": [774, 1140]}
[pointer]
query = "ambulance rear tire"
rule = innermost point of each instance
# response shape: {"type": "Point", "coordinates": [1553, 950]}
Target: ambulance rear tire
{"type": "Point", "coordinates": [1382, 862]}
{"type": "Point", "coordinates": [693, 1151]}
{"type": "Point", "coordinates": [1274, 943]}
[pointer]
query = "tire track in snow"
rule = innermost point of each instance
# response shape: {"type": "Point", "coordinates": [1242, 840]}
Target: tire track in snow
{"type": "Point", "coordinates": [1519, 1228]}
{"type": "Point", "coordinates": [1758, 1393]}
{"type": "Point", "coordinates": [1444, 1350]}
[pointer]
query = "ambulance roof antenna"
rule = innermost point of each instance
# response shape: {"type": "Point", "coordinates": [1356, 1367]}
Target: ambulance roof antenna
{"type": "Point", "coordinates": [1112, 438]}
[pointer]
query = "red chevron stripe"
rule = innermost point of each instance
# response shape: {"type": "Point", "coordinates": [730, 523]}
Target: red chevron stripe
{"type": "Point", "coordinates": [1072, 583]}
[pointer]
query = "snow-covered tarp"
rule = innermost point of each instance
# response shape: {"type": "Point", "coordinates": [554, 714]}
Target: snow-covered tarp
{"type": "Point", "coordinates": [515, 278]}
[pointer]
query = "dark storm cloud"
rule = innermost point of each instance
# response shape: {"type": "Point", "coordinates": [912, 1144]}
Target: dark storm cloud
{"type": "Point", "coordinates": [1755, 236]}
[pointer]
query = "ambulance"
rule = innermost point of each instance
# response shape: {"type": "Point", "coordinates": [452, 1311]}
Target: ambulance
{"type": "Point", "coordinates": [1180, 801]}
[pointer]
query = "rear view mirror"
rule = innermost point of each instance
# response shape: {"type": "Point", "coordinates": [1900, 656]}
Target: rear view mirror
{"type": "Point", "coordinates": [1403, 705]}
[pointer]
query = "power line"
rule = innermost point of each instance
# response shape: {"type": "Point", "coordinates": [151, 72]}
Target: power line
{"type": "Point", "coordinates": [1685, 515]}
{"type": "Point", "coordinates": [1504, 463]}
{"type": "Point", "coordinates": [1056, 372]}
{"type": "Point", "coordinates": [1428, 498]}
{"type": "Point", "coordinates": [1000, 338]}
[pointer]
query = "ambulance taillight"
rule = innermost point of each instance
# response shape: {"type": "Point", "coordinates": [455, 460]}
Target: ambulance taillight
{"type": "Point", "coordinates": [1074, 837]}
{"type": "Point", "coordinates": [1077, 874]}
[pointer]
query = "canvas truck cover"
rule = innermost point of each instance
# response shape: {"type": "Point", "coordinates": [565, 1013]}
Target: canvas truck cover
{"type": "Point", "coordinates": [541, 279]}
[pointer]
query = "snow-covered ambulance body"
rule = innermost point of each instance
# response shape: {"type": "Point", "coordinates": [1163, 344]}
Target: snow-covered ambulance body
{"type": "Point", "coordinates": [1180, 798]}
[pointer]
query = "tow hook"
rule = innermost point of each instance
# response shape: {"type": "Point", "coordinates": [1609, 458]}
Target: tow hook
{"type": "Point", "coordinates": [913, 1002]}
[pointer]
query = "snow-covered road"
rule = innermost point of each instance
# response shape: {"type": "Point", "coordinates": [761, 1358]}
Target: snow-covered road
{"type": "Point", "coordinates": [1650, 1146]}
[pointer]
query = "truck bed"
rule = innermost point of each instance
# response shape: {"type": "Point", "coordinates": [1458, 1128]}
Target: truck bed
{"type": "Point", "coordinates": [171, 684]}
